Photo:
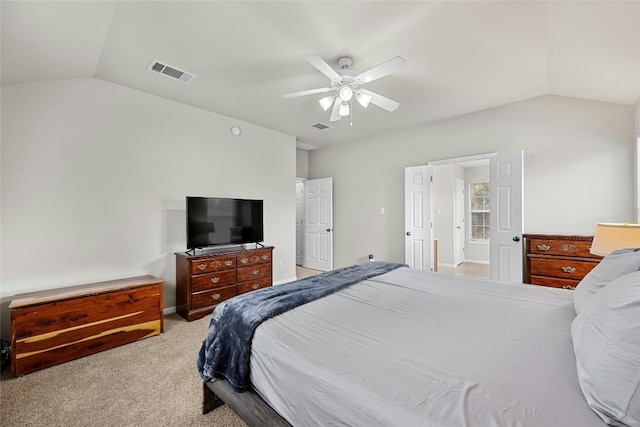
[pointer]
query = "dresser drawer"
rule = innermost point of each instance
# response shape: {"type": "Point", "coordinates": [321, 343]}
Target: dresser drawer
{"type": "Point", "coordinates": [203, 282]}
{"type": "Point", "coordinates": [573, 248]}
{"type": "Point", "coordinates": [256, 257]}
{"type": "Point", "coordinates": [254, 272]}
{"type": "Point", "coordinates": [212, 297]}
{"type": "Point", "coordinates": [554, 282]}
{"type": "Point", "coordinates": [213, 264]}
{"type": "Point", "coordinates": [560, 268]}
{"type": "Point", "coordinates": [253, 285]}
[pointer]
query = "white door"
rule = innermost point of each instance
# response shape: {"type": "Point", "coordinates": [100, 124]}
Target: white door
{"type": "Point", "coordinates": [299, 222]}
{"type": "Point", "coordinates": [506, 221]}
{"type": "Point", "coordinates": [459, 223]}
{"type": "Point", "coordinates": [418, 239]}
{"type": "Point", "coordinates": [318, 224]}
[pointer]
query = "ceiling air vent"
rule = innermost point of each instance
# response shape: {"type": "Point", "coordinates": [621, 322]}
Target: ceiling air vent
{"type": "Point", "coordinates": [170, 71]}
{"type": "Point", "coordinates": [321, 126]}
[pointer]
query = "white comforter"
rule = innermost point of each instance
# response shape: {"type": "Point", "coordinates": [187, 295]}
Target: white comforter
{"type": "Point", "coordinates": [414, 348]}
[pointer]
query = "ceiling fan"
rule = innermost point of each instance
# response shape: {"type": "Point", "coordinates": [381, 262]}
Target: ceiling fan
{"type": "Point", "coordinates": [347, 85]}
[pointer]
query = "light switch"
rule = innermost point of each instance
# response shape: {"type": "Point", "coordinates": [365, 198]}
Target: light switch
{"type": "Point", "coordinates": [381, 211]}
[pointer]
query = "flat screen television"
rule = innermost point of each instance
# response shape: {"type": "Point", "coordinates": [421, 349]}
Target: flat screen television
{"type": "Point", "coordinates": [213, 221]}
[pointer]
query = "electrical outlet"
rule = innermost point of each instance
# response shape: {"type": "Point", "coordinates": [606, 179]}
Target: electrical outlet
{"type": "Point", "coordinates": [281, 263]}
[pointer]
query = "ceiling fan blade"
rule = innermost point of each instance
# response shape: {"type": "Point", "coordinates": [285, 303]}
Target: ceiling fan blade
{"type": "Point", "coordinates": [306, 92]}
{"type": "Point", "coordinates": [322, 66]}
{"type": "Point", "coordinates": [381, 101]}
{"type": "Point", "coordinates": [335, 116]}
{"type": "Point", "coordinates": [389, 67]}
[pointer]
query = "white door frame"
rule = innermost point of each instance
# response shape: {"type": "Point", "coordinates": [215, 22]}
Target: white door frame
{"type": "Point", "coordinates": [460, 230]}
{"type": "Point", "coordinates": [300, 221]}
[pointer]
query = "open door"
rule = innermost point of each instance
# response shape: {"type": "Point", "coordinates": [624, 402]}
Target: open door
{"type": "Point", "coordinates": [506, 222]}
{"type": "Point", "coordinates": [318, 227]}
{"type": "Point", "coordinates": [299, 222]}
{"type": "Point", "coordinates": [418, 238]}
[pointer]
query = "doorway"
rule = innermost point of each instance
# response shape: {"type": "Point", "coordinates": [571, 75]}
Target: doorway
{"type": "Point", "coordinates": [314, 224]}
{"type": "Point", "coordinates": [500, 218]}
{"type": "Point", "coordinates": [459, 252]}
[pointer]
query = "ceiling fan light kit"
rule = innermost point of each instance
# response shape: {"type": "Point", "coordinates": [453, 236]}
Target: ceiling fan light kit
{"type": "Point", "coordinates": [326, 102]}
{"type": "Point", "coordinates": [346, 83]}
{"type": "Point", "coordinates": [344, 110]}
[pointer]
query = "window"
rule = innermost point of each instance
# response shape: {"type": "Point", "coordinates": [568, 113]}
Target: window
{"type": "Point", "coordinates": [479, 210]}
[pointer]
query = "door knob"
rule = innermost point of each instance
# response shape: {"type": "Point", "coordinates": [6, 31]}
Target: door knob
{"type": "Point", "coordinates": [328, 230]}
{"type": "Point", "coordinates": [408, 233]}
{"type": "Point", "coordinates": [516, 239]}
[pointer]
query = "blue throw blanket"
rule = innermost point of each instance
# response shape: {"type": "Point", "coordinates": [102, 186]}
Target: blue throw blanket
{"type": "Point", "coordinates": [225, 351]}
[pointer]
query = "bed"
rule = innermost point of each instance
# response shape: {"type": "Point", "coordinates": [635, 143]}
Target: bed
{"type": "Point", "coordinates": [384, 344]}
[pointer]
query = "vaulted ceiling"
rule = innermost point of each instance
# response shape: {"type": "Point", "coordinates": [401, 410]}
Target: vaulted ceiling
{"type": "Point", "coordinates": [462, 56]}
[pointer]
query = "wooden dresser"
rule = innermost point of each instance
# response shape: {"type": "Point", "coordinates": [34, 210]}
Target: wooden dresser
{"type": "Point", "coordinates": [205, 280]}
{"type": "Point", "coordinates": [558, 261]}
{"type": "Point", "coordinates": [57, 325]}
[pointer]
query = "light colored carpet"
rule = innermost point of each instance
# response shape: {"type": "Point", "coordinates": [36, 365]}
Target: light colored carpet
{"type": "Point", "coordinates": [152, 382]}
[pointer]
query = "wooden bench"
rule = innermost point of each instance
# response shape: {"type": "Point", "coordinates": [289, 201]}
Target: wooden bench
{"type": "Point", "coordinates": [57, 325]}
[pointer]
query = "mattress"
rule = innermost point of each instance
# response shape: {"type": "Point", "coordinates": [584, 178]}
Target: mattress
{"type": "Point", "coordinates": [415, 348]}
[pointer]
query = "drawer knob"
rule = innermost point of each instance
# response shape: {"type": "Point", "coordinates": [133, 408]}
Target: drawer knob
{"type": "Point", "coordinates": [265, 257]}
{"type": "Point", "coordinates": [255, 272]}
{"type": "Point", "coordinates": [255, 286]}
{"type": "Point", "coordinates": [571, 288]}
{"type": "Point", "coordinates": [228, 263]}
{"type": "Point", "coordinates": [568, 269]}
{"type": "Point", "coordinates": [215, 297]}
{"type": "Point", "coordinates": [544, 247]}
{"type": "Point", "coordinates": [215, 280]}
{"type": "Point", "coordinates": [202, 266]}
{"type": "Point", "coordinates": [244, 260]}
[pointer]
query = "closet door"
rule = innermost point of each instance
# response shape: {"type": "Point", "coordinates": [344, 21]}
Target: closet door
{"type": "Point", "coordinates": [418, 239]}
{"type": "Point", "coordinates": [318, 227]}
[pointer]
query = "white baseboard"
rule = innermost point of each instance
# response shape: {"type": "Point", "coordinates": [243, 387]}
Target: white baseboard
{"type": "Point", "coordinates": [440, 264]}
{"type": "Point", "coordinates": [477, 261]}
{"type": "Point", "coordinates": [169, 310]}
{"type": "Point", "coordinates": [282, 282]}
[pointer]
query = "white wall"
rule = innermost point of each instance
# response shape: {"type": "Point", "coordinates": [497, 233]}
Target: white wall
{"type": "Point", "coordinates": [444, 186]}
{"type": "Point", "coordinates": [302, 164]}
{"type": "Point", "coordinates": [94, 179]}
{"type": "Point", "coordinates": [578, 170]}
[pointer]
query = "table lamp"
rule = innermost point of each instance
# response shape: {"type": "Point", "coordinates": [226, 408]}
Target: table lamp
{"type": "Point", "coordinates": [612, 236]}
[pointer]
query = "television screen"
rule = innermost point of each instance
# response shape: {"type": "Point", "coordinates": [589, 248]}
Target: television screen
{"type": "Point", "coordinates": [223, 221]}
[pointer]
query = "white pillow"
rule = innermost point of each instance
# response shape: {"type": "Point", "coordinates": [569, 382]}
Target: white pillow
{"type": "Point", "coordinates": [606, 342]}
{"type": "Point", "coordinates": [616, 264]}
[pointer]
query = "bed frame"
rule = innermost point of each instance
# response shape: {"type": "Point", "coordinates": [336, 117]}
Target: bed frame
{"type": "Point", "coordinates": [248, 405]}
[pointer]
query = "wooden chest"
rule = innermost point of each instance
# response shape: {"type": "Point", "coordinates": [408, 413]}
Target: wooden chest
{"type": "Point", "coordinates": [54, 326]}
{"type": "Point", "coordinates": [203, 281]}
{"type": "Point", "coordinates": [558, 261]}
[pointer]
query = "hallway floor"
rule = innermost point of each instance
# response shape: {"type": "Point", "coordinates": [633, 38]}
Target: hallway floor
{"type": "Point", "coordinates": [468, 269]}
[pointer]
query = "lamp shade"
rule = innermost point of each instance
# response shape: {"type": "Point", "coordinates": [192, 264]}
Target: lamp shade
{"type": "Point", "coordinates": [344, 110]}
{"type": "Point", "coordinates": [612, 236]}
{"type": "Point", "coordinates": [326, 102]}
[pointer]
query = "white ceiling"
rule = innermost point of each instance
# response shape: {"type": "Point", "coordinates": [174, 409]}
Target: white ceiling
{"type": "Point", "coordinates": [462, 56]}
